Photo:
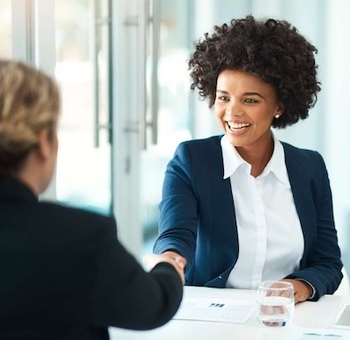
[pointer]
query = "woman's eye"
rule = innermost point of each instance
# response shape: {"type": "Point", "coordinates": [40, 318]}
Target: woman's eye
{"type": "Point", "coordinates": [224, 98]}
{"type": "Point", "coordinates": [250, 101]}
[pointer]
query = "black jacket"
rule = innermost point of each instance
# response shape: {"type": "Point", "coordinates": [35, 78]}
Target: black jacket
{"type": "Point", "coordinates": [64, 275]}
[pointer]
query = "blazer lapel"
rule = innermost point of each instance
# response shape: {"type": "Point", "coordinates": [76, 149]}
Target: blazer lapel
{"type": "Point", "coordinates": [299, 178]}
{"type": "Point", "coordinates": [225, 219]}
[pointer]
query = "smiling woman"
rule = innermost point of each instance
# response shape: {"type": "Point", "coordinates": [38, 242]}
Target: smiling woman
{"type": "Point", "coordinates": [245, 207]}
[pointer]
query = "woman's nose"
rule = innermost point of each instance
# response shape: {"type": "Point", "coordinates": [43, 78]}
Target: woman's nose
{"type": "Point", "coordinates": [234, 109]}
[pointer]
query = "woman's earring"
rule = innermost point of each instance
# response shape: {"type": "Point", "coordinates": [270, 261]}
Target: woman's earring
{"type": "Point", "coordinates": [277, 116]}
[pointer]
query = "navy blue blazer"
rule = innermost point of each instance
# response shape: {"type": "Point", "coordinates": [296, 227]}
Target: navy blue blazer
{"type": "Point", "coordinates": [197, 208]}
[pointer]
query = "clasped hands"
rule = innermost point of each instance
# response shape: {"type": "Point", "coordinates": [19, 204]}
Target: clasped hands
{"type": "Point", "coordinates": [179, 262]}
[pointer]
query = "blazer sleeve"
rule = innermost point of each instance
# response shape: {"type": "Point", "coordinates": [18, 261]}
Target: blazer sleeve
{"type": "Point", "coordinates": [129, 297]}
{"type": "Point", "coordinates": [178, 218]}
{"type": "Point", "coordinates": [321, 263]}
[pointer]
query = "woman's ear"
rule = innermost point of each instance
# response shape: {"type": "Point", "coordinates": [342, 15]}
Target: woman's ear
{"type": "Point", "coordinates": [44, 145]}
{"type": "Point", "coordinates": [280, 110]}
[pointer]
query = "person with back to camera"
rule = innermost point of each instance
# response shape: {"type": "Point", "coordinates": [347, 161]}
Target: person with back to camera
{"type": "Point", "coordinates": [64, 275]}
{"type": "Point", "coordinates": [244, 207]}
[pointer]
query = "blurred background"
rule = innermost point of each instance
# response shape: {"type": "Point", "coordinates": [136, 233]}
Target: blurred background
{"type": "Point", "coordinates": [122, 70]}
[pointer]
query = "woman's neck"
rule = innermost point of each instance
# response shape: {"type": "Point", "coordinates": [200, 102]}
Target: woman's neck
{"type": "Point", "coordinates": [257, 157]}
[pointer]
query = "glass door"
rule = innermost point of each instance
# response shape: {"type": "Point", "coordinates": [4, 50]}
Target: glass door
{"type": "Point", "coordinates": [168, 117]}
{"type": "Point", "coordinates": [151, 43]}
{"type": "Point", "coordinates": [83, 57]}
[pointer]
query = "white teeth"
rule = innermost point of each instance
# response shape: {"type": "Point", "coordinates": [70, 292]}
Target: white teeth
{"type": "Point", "coordinates": [237, 126]}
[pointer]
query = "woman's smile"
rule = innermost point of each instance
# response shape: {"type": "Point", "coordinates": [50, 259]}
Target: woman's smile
{"type": "Point", "coordinates": [237, 128]}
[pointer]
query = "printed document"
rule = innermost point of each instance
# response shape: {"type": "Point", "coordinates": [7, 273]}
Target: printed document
{"type": "Point", "coordinates": [219, 310]}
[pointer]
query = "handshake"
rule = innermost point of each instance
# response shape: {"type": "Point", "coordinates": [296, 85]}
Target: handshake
{"type": "Point", "coordinates": [176, 260]}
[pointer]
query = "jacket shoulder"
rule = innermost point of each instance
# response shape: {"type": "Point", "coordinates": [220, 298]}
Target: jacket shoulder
{"type": "Point", "coordinates": [299, 151]}
{"type": "Point", "coordinates": [300, 154]}
{"type": "Point", "coordinates": [213, 141]}
{"type": "Point", "coordinates": [76, 220]}
{"type": "Point", "coordinates": [198, 149]}
{"type": "Point", "coordinates": [66, 210]}
{"type": "Point", "coordinates": [305, 160]}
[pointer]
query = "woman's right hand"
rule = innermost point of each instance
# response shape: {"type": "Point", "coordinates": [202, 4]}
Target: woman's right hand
{"type": "Point", "coordinates": [179, 262]}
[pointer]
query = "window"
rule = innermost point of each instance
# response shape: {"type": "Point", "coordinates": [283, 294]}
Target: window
{"type": "Point", "coordinates": [82, 68]}
{"type": "Point", "coordinates": [5, 29]}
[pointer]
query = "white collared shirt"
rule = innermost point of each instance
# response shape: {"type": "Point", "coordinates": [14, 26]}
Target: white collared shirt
{"type": "Point", "coordinates": [270, 238]}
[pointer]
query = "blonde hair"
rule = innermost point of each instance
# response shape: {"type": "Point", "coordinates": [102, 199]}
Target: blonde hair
{"type": "Point", "coordinates": [29, 103]}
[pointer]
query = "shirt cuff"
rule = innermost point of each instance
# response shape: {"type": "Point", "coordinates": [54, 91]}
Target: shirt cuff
{"type": "Point", "coordinates": [312, 287]}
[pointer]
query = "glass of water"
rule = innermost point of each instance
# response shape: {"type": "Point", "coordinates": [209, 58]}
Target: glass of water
{"type": "Point", "coordinates": [275, 303]}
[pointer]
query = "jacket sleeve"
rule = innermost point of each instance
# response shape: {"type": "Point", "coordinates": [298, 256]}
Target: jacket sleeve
{"type": "Point", "coordinates": [129, 297]}
{"type": "Point", "coordinates": [321, 263]}
{"type": "Point", "coordinates": [178, 218]}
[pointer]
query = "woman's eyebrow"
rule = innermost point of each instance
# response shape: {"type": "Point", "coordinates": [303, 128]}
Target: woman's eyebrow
{"type": "Point", "coordinates": [245, 93]}
{"type": "Point", "coordinates": [253, 94]}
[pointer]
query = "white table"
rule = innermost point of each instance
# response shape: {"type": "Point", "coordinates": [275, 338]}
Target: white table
{"type": "Point", "coordinates": [309, 315]}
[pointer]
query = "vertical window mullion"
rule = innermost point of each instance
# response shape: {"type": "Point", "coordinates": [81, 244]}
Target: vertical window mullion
{"type": "Point", "coordinates": [22, 30]}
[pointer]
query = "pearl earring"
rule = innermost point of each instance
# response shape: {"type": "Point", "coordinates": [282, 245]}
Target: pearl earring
{"type": "Point", "coordinates": [277, 116]}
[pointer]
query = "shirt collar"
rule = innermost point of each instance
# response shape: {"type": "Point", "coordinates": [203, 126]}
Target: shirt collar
{"type": "Point", "coordinates": [232, 161]}
{"type": "Point", "coordinates": [231, 158]}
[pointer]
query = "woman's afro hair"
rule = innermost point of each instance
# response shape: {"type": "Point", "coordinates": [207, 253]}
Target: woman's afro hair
{"type": "Point", "coordinates": [270, 49]}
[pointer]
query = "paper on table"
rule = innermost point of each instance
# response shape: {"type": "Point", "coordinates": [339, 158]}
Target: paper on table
{"type": "Point", "coordinates": [235, 311]}
{"type": "Point", "coordinates": [342, 320]}
{"type": "Point", "coordinates": [316, 334]}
